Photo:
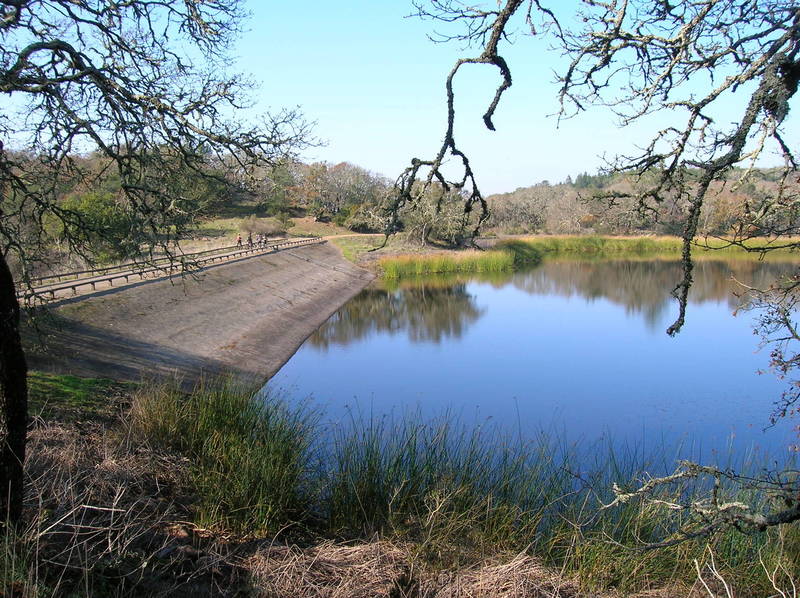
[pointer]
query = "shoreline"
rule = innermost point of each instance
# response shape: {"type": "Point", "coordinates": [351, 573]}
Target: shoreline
{"type": "Point", "coordinates": [244, 319]}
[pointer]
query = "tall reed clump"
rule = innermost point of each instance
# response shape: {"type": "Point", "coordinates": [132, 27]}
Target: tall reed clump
{"type": "Point", "coordinates": [248, 451]}
{"type": "Point", "coordinates": [459, 495]}
{"type": "Point", "coordinates": [455, 493]}
{"type": "Point", "coordinates": [441, 263]}
{"type": "Point", "coordinates": [504, 257]}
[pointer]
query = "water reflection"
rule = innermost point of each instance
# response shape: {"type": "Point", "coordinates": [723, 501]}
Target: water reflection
{"type": "Point", "coordinates": [441, 307]}
{"type": "Point", "coordinates": [579, 346]}
{"type": "Point", "coordinates": [643, 287]}
{"type": "Point", "coordinates": [428, 313]}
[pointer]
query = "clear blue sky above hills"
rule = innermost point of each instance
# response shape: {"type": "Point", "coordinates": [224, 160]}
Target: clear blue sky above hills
{"type": "Point", "coordinates": [374, 84]}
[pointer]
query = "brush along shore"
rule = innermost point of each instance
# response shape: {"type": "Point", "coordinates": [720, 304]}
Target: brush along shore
{"type": "Point", "coordinates": [145, 490]}
{"type": "Point", "coordinates": [509, 254]}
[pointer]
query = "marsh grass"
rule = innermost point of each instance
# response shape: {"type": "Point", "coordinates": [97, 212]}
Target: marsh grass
{"type": "Point", "coordinates": [506, 256]}
{"type": "Point", "coordinates": [510, 255]}
{"type": "Point", "coordinates": [445, 263]}
{"type": "Point", "coordinates": [591, 245]}
{"type": "Point", "coordinates": [455, 494]}
{"type": "Point", "coordinates": [248, 451]}
{"type": "Point", "coordinates": [461, 494]}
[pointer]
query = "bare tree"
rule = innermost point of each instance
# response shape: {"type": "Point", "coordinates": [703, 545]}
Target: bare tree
{"type": "Point", "coordinates": [488, 28]}
{"type": "Point", "coordinates": [692, 59]}
{"type": "Point", "coordinates": [638, 57]}
{"type": "Point", "coordinates": [703, 514]}
{"type": "Point", "coordinates": [139, 82]}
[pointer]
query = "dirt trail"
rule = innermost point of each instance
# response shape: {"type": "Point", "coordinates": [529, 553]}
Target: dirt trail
{"type": "Point", "coordinates": [246, 317]}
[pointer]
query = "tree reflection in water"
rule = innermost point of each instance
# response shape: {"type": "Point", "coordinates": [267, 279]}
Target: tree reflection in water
{"type": "Point", "coordinates": [436, 308]}
{"type": "Point", "coordinates": [427, 312]}
{"type": "Point", "coordinates": [644, 287]}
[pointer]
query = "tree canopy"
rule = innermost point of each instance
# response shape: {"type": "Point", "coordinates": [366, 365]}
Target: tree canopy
{"type": "Point", "coordinates": [636, 58]}
{"type": "Point", "coordinates": [142, 85]}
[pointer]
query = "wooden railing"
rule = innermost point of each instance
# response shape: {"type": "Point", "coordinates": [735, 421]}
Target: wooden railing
{"type": "Point", "coordinates": [38, 280]}
{"type": "Point", "coordinates": [179, 265]}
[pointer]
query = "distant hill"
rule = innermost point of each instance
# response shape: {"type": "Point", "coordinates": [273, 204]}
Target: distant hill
{"type": "Point", "coordinates": [609, 204]}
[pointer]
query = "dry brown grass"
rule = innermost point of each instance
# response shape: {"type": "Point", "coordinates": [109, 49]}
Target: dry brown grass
{"type": "Point", "coordinates": [521, 576]}
{"type": "Point", "coordinates": [308, 227]}
{"type": "Point", "coordinates": [384, 570]}
{"type": "Point", "coordinates": [110, 517]}
{"type": "Point", "coordinates": [376, 569]}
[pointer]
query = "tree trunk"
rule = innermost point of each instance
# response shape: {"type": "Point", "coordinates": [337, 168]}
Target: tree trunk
{"type": "Point", "coordinates": [14, 399]}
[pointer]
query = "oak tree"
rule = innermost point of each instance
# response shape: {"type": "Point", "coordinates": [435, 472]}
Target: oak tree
{"type": "Point", "coordinates": [143, 85]}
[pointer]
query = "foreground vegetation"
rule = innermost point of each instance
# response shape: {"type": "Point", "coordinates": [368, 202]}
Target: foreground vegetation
{"type": "Point", "coordinates": [457, 495]}
{"type": "Point", "coordinates": [224, 470]}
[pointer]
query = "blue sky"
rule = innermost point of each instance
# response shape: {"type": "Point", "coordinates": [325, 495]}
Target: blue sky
{"type": "Point", "coordinates": [374, 84]}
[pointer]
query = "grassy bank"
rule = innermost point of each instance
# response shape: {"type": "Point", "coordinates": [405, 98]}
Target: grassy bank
{"type": "Point", "coordinates": [643, 246]}
{"type": "Point", "coordinates": [505, 256]}
{"type": "Point", "coordinates": [512, 254]}
{"type": "Point", "coordinates": [455, 495]}
{"type": "Point", "coordinates": [191, 491]}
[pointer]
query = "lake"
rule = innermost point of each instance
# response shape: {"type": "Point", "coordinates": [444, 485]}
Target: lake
{"type": "Point", "coordinates": [573, 348]}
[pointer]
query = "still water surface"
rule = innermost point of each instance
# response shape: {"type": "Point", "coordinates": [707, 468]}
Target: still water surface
{"type": "Point", "coordinates": [574, 348]}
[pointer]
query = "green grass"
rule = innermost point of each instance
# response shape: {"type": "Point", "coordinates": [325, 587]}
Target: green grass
{"type": "Point", "coordinates": [71, 397]}
{"type": "Point", "coordinates": [219, 227]}
{"type": "Point", "coordinates": [599, 246]}
{"type": "Point", "coordinates": [248, 452]}
{"type": "Point", "coordinates": [456, 494]}
{"type": "Point", "coordinates": [505, 257]}
{"type": "Point", "coordinates": [354, 246]}
{"type": "Point", "coordinates": [461, 495]}
{"type": "Point", "coordinates": [595, 245]}
{"type": "Point", "coordinates": [444, 263]}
